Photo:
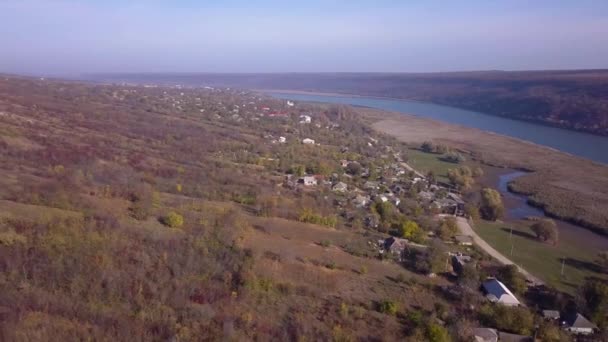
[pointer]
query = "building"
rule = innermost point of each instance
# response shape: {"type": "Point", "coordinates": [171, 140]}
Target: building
{"type": "Point", "coordinates": [506, 337]}
{"type": "Point", "coordinates": [308, 180]}
{"type": "Point", "coordinates": [282, 140]}
{"type": "Point", "coordinates": [497, 292]}
{"type": "Point", "coordinates": [578, 324]}
{"type": "Point", "coordinates": [305, 119]}
{"type": "Point", "coordinates": [485, 335]}
{"type": "Point", "coordinates": [458, 262]}
{"type": "Point", "coordinates": [551, 314]}
{"type": "Point", "coordinates": [395, 245]}
{"type": "Point", "coordinates": [464, 240]}
{"type": "Point", "coordinates": [340, 187]}
{"type": "Point", "coordinates": [361, 201]}
{"type": "Point", "coordinates": [308, 141]}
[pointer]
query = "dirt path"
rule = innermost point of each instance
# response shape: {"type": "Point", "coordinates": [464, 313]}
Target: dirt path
{"type": "Point", "coordinates": [466, 229]}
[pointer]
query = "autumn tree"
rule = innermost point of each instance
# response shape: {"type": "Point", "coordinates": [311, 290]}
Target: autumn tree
{"type": "Point", "coordinates": [491, 206]}
{"type": "Point", "coordinates": [545, 230]}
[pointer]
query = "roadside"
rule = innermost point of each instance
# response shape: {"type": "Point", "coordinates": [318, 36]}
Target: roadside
{"type": "Point", "coordinates": [466, 229]}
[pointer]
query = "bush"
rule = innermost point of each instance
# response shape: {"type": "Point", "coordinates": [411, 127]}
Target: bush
{"type": "Point", "coordinates": [437, 333]}
{"type": "Point", "coordinates": [516, 320]}
{"type": "Point", "coordinates": [388, 307]}
{"type": "Point", "coordinates": [173, 220]}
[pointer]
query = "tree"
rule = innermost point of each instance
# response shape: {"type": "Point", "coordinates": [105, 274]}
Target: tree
{"type": "Point", "coordinates": [545, 230]}
{"type": "Point", "coordinates": [462, 177]}
{"type": "Point", "coordinates": [512, 278]}
{"type": "Point", "coordinates": [437, 333]}
{"type": "Point", "coordinates": [468, 275]}
{"type": "Point", "coordinates": [471, 211]}
{"type": "Point", "coordinates": [448, 228]}
{"type": "Point", "coordinates": [517, 320]}
{"type": "Point", "coordinates": [173, 220]}
{"type": "Point", "coordinates": [408, 229]}
{"type": "Point", "coordinates": [427, 147]}
{"type": "Point", "coordinates": [353, 168]}
{"type": "Point", "coordinates": [431, 260]}
{"type": "Point", "coordinates": [593, 298]}
{"type": "Point", "coordinates": [478, 172]}
{"type": "Point", "coordinates": [454, 157]}
{"type": "Point", "coordinates": [491, 207]}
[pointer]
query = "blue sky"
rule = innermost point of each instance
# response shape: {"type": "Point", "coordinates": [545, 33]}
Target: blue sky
{"type": "Point", "coordinates": [58, 37]}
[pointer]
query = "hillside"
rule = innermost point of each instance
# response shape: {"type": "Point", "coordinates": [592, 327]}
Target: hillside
{"type": "Point", "coordinates": [160, 213]}
{"type": "Point", "coordinates": [570, 99]}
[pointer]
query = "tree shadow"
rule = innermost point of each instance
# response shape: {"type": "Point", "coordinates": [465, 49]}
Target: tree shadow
{"type": "Point", "coordinates": [590, 266]}
{"type": "Point", "coordinates": [519, 233]}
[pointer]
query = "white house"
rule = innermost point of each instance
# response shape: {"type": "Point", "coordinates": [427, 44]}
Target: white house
{"type": "Point", "coordinates": [497, 292]}
{"type": "Point", "coordinates": [578, 324]}
{"type": "Point", "coordinates": [305, 119]}
{"type": "Point", "coordinates": [308, 180]}
{"type": "Point", "coordinates": [308, 141]}
{"type": "Point", "coordinates": [290, 104]}
{"type": "Point", "coordinates": [282, 140]}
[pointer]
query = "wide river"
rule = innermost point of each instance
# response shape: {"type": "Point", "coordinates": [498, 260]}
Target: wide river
{"type": "Point", "coordinates": [585, 145]}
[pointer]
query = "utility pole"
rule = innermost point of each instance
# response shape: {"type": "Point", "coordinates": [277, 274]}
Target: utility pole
{"type": "Point", "coordinates": [563, 261]}
{"type": "Point", "coordinates": [511, 249]}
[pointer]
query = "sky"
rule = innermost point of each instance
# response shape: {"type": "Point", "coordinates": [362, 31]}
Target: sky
{"type": "Point", "coordinates": [69, 37]}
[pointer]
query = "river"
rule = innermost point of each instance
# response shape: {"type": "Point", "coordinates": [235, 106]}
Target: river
{"type": "Point", "coordinates": [581, 144]}
{"type": "Point", "coordinates": [585, 145]}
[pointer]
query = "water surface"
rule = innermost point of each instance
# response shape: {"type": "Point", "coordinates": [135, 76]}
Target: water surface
{"type": "Point", "coordinates": [584, 145]}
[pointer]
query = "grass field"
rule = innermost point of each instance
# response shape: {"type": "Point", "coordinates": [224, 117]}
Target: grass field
{"type": "Point", "coordinates": [542, 260]}
{"type": "Point", "coordinates": [425, 162]}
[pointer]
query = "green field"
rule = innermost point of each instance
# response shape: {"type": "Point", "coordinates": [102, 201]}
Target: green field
{"type": "Point", "coordinates": [542, 260]}
{"type": "Point", "coordinates": [424, 162]}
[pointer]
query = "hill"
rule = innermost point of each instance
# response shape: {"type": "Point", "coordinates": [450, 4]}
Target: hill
{"type": "Point", "coordinates": [575, 99]}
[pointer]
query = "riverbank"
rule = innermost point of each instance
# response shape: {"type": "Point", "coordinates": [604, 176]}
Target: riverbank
{"type": "Point", "coordinates": [566, 186]}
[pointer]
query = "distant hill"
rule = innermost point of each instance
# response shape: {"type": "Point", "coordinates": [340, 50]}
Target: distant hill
{"type": "Point", "coordinates": [576, 99]}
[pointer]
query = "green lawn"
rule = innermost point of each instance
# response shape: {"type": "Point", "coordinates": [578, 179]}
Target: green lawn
{"type": "Point", "coordinates": [424, 162]}
{"type": "Point", "coordinates": [542, 260]}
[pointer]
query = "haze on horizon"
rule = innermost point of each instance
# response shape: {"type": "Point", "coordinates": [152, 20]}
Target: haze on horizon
{"type": "Point", "coordinates": [68, 37]}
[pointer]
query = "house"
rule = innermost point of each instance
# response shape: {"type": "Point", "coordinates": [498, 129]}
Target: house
{"type": "Point", "coordinates": [290, 104]}
{"type": "Point", "coordinates": [497, 292]}
{"type": "Point", "coordinates": [506, 337]}
{"type": "Point", "coordinates": [458, 262]}
{"type": "Point", "coordinates": [308, 180]}
{"type": "Point", "coordinates": [395, 245]}
{"type": "Point", "coordinates": [370, 185]}
{"type": "Point", "coordinates": [550, 314]}
{"type": "Point", "coordinates": [426, 196]}
{"type": "Point", "coordinates": [372, 221]}
{"type": "Point", "coordinates": [305, 119]}
{"type": "Point", "coordinates": [340, 187]}
{"type": "Point", "coordinates": [464, 240]}
{"type": "Point", "coordinates": [361, 201]}
{"type": "Point", "coordinates": [578, 324]}
{"type": "Point", "coordinates": [308, 141]}
{"type": "Point", "coordinates": [282, 140]}
{"type": "Point", "coordinates": [344, 163]}
{"type": "Point", "coordinates": [485, 335]}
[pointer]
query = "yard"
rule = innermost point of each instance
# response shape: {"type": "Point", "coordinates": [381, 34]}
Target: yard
{"type": "Point", "coordinates": [542, 260]}
{"type": "Point", "coordinates": [424, 162]}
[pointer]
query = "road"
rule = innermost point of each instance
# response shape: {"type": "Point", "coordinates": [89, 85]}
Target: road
{"type": "Point", "coordinates": [466, 229]}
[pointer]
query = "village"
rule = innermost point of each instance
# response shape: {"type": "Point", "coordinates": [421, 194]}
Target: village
{"type": "Point", "coordinates": [378, 179]}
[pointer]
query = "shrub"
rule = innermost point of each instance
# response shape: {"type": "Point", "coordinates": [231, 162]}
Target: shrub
{"type": "Point", "coordinates": [388, 307]}
{"type": "Point", "coordinates": [173, 220]}
{"type": "Point", "coordinates": [437, 333]}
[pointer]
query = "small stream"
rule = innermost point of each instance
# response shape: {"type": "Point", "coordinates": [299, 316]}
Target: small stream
{"type": "Point", "coordinates": [517, 208]}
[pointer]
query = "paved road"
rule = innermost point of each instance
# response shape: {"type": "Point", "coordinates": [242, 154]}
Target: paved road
{"type": "Point", "coordinates": [466, 229]}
